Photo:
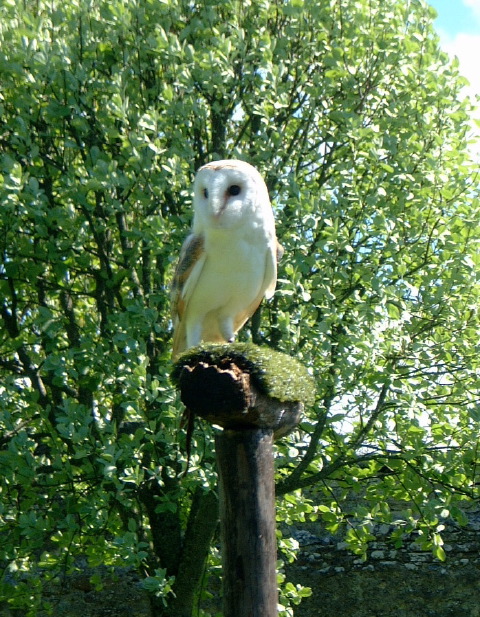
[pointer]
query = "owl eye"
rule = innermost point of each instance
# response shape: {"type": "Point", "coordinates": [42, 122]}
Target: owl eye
{"type": "Point", "coordinates": [234, 189]}
{"type": "Point", "coordinates": [205, 193]}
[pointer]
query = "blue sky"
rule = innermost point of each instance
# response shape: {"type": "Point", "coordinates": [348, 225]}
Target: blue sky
{"type": "Point", "coordinates": [456, 16]}
{"type": "Point", "coordinates": [458, 24]}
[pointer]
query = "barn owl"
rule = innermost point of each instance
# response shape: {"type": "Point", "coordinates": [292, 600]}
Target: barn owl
{"type": "Point", "coordinates": [229, 260]}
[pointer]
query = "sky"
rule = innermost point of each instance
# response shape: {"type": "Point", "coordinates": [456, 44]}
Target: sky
{"type": "Point", "coordinates": [458, 24]}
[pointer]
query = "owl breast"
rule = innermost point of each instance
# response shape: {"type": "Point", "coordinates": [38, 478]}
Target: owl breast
{"type": "Point", "coordinates": [232, 275]}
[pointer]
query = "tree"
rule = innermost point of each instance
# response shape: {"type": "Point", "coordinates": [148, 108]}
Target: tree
{"type": "Point", "coordinates": [355, 118]}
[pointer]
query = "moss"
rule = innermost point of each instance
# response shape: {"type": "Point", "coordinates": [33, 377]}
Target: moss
{"type": "Point", "coordinates": [273, 373]}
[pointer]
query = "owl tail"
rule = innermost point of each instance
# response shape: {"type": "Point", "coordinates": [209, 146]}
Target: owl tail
{"type": "Point", "coordinates": [179, 342]}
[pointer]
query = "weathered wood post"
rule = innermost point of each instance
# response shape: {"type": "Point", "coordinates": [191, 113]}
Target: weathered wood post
{"type": "Point", "coordinates": [256, 395]}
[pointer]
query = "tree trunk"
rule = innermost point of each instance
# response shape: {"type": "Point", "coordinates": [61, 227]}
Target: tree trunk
{"type": "Point", "coordinates": [202, 523]}
{"type": "Point", "coordinates": [247, 522]}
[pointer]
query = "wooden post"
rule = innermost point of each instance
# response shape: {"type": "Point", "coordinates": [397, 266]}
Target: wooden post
{"type": "Point", "coordinates": [247, 522]}
{"type": "Point", "coordinates": [221, 387]}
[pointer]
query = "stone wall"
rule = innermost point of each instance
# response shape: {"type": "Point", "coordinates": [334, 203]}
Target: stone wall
{"type": "Point", "coordinates": [403, 582]}
{"type": "Point", "coordinates": [392, 582]}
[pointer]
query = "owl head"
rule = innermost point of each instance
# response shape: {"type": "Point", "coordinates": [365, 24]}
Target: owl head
{"type": "Point", "coordinates": [226, 194]}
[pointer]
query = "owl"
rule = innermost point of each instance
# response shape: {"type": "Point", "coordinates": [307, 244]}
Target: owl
{"type": "Point", "coordinates": [229, 260]}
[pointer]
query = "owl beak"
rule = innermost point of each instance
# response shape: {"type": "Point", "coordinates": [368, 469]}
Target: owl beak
{"type": "Point", "coordinates": [219, 207]}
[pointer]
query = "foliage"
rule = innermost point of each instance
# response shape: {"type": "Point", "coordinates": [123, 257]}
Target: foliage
{"type": "Point", "coordinates": [355, 118]}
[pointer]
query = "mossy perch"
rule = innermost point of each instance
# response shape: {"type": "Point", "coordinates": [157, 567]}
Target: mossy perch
{"type": "Point", "coordinates": [241, 385]}
{"type": "Point", "coordinates": [256, 395]}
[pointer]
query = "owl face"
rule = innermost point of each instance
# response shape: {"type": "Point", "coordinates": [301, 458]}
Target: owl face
{"type": "Point", "coordinates": [225, 192]}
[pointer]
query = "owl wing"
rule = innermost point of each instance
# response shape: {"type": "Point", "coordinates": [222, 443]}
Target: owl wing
{"type": "Point", "coordinates": [190, 265]}
{"type": "Point", "coordinates": [267, 289]}
{"type": "Point", "coordinates": [273, 257]}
